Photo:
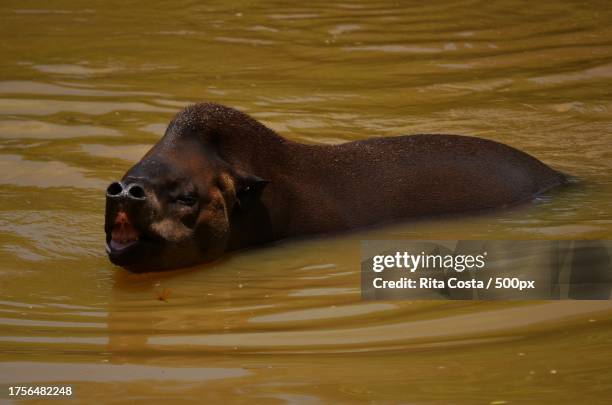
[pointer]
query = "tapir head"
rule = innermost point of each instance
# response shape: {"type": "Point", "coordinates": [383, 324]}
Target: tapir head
{"type": "Point", "coordinates": [182, 204]}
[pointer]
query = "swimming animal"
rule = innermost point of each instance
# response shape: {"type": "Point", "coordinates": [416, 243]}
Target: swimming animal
{"type": "Point", "coordinates": [218, 180]}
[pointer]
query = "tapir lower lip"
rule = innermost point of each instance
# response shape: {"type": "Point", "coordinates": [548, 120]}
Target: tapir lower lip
{"type": "Point", "coordinates": [114, 246]}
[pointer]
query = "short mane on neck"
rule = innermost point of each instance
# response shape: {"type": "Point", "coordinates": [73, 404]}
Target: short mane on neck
{"type": "Point", "coordinates": [235, 136]}
{"type": "Point", "coordinates": [216, 123]}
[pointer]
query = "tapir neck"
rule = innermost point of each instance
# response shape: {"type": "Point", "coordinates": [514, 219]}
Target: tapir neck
{"type": "Point", "coordinates": [236, 137]}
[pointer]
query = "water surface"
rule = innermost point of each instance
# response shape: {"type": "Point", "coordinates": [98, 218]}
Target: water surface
{"type": "Point", "coordinates": [86, 89]}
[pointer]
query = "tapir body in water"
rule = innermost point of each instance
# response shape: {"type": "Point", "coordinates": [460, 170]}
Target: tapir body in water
{"type": "Point", "coordinates": [219, 180]}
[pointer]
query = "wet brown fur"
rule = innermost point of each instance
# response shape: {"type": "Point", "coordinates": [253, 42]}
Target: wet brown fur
{"type": "Point", "coordinates": [325, 188]}
{"type": "Point", "coordinates": [222, 153]}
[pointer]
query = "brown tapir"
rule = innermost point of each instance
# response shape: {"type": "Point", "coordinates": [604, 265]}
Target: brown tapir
{"type": "Point", "coordinates": [219, 180]}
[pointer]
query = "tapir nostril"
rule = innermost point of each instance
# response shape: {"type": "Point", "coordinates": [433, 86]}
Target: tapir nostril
{"type": "Point", "coordinates": [136, 192]}
{"type": "Point", "coordinates": [115, 189]}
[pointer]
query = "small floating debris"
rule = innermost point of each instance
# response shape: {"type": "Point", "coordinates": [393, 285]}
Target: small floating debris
{"type": "Point", "coordinates": [163, 295]}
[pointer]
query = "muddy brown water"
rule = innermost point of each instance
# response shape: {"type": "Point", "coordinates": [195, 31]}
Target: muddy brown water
{"type": "Point", "coordinates": [85, 89]}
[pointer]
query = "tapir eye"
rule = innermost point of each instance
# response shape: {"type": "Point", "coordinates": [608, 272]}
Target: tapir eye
{"type": "Point", "coordinates": [187, 199]}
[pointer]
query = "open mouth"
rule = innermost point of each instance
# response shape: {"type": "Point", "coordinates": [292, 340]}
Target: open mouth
{"type": "Point", "coordinates": [123, 236]}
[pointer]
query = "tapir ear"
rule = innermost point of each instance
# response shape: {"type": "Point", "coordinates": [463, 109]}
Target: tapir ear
{"type": "Point", "coordinates": [249, 188]}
